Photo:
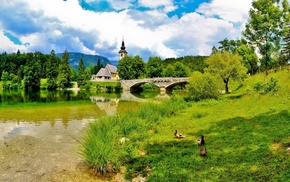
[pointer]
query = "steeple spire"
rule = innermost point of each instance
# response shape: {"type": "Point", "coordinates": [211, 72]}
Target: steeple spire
{"type": "Point", "coordinates": [122, 52]}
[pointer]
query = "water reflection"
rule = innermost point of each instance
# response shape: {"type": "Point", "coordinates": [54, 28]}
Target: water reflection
{"type": "Point", "coordinates": [28, 113]}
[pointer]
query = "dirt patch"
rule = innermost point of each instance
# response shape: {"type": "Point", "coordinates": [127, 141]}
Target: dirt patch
{"type": "Point", "coordinates": [26, 158]}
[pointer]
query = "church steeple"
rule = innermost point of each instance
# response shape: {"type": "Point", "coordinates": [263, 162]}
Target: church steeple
{"type": "Point", "coordinates": [122, 52]}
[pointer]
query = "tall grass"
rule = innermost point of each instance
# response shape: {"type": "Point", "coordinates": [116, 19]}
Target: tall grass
{"type": "Point", "coordinates": [246, 134]}
{"type": "Point", "coordinates": [101, 146]}
{"type": "Point", "coordinates": [98, 146]}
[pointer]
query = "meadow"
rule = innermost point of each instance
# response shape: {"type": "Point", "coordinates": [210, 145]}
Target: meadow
{"type": "Point", "coordinates": [247, 136]}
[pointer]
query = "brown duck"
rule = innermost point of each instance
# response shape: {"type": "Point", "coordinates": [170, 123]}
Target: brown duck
{"type": "Point", "coordinates": [202, 152]}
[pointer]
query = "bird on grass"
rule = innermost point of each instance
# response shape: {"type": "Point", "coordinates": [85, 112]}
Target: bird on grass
{"type": "Point", "coordinates": [178, 135]}
{"type": "Point", "coordinates": [202, 152]}
{"type": "Point", "coordinates": [200, 141]}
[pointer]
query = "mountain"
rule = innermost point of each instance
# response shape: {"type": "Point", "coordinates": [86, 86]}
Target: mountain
{"type": "Point", "coordinates": [74, 59]}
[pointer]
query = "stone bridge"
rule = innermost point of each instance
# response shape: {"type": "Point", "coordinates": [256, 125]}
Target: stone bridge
{"type": "Point", "coordinates": [164, 83]}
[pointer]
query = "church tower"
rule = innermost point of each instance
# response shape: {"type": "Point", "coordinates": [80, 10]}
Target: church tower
{"type": "Point", "coordinates": [122, 52]}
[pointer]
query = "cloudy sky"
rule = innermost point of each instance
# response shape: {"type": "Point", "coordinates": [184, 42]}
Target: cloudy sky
{"type": "Point", "coordinates": [164, 28]}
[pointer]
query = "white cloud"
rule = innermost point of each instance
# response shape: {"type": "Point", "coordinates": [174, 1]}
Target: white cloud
{"type": "Point", "coordinates": [60, 25]}
{"type": "Point", "coordinates": [229, 10]}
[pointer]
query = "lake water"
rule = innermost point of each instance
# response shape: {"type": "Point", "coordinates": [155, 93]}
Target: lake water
{"type": "Point", "coordinates": [39, 132]}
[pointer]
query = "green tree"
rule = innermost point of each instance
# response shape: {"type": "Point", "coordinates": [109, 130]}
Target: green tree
{"type": "Point", "coordinates": [154, 67]}
{"type": "Point", "coordinates": [214, 50]}
{"type": "Point", "coordinates": [4, 79]}
{"type": "Point", "coordinates": [226, 66]}
{"type": "Point", "coordinates": [81, 73]}
{"type": "Point", "coordinates": [168, 71]}
{"type": "Point", "coordinates": [64, 72]}
{"type": "Point", "coordinates": [250, 58]}
{"type": "Point", "coordinates": [73, 74]}
{"type": "Point", "coordinates": [202, 86]}
{"type": "Point", "coordinates": [230, 45]}
{"type": "Point", "coordinates": [265, 27]}
{"type": "Point", "coordinates": [14, 84]}
{"type": "Point", "coordinates": [98, 67]}
{"type": "Point", "coordinates": [131, 67]}
{"type": "Point", "coordinates": [180, 70]}
{"type": "Point", "coordinates": [52, 71]}
{"type": "Point", "coordinates": [32, 73]}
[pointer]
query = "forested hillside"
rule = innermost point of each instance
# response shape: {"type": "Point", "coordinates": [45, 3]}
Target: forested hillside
{"type": "Point", "coordinates": [74, 59]}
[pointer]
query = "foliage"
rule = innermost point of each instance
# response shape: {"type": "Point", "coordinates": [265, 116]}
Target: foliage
{"type": "Point", "coordinates": [180, 70]}
{"type": "Point", "coordinates": [98, 67]}
{"type": "Point", "coordinates": [154, 67]}
{"type": "Point", "coordinates": [16, 82]}
{"type": "Point", "coordinates": [264, 88]}
{"type": "Point", "coordinates": [266, 27]}
{"type": "Point", "coordinates": [230, 46]}
{"type": "Point", "coordinates": [32, 73]}
{"type": "Point", "coordinates": [4, 79]}
{"type": "Point", "coordinates": [64, 70]}
{"type": "Point", "coordinates": [194, 63]}
{"type": "Point", "coordinates": [226, 66]}
{"type": "Point", "coordinates": [131, 67]}
{"type": "Point", "coordinates": [202, 86]}
{"type": "Point", "coordinates": [73, 74]}
{"type": "Point", "coordinates": [250, 58]}
{"type": "Point", "coordinates": [149, 86]}
{"type": "Point", "coordinates": [52, 71]}
{"type": "Point", "coordinates": [87, 58]}
{"type": "Point", "coordinates": [81, 73]}
{"type": "Point", "coordinates": [168, 71]}
{"type": "Point", "coordinates": [241, 47]}
{"type": "Point", "coordinates": [107, 86]}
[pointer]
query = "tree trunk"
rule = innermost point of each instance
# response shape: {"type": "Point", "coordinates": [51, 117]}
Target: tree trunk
{"type": "Point", "coordinates": [226, 81]}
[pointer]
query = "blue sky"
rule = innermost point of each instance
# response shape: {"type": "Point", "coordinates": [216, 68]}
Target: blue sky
{"type": "Point", "coordinates": [164, 28]}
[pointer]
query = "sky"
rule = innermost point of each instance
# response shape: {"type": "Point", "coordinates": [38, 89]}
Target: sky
{"type": "Point", "coordinates": [149, 28]}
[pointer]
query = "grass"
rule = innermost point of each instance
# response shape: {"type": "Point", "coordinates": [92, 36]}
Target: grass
{"type": "Point", "coordinates": [246, 134]}
{"type": "Point", "coordinates": [106, 85]}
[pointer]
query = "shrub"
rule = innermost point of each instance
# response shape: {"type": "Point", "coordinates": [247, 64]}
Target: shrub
{"type": "Point", "coordinates": [265, 87]}
{"type": "Point", "coordinates": [202, 86]}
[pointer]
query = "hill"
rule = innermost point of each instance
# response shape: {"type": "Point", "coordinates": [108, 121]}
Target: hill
{"type": "Point", "coordinates": [246, 135]}
{"type": "Point", "coordinates": [74, 59]}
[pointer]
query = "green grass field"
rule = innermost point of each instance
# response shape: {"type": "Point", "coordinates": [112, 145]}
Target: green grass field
{"type": "Point", "coordinates": [247, 137]}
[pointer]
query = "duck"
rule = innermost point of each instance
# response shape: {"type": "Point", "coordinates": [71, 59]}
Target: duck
{"type": "Point", "coordinates": [202, 152]}
{"type": "Point", "coordinates": [200, 141]}
{"type": "Point", "coordinates": [178, 135]}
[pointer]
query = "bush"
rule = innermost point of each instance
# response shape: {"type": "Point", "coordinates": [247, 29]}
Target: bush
{"type": "Point", "coordinates": [265, 87]}
{"type": "Point", "coordinates": [202, 86]}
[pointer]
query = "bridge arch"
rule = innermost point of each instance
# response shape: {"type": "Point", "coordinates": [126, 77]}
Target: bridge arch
{"type": "Point", "coordinates": [164, 83]}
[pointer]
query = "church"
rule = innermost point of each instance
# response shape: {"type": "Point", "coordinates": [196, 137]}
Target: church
{"type": "Point", "coordinates": [110, 72]}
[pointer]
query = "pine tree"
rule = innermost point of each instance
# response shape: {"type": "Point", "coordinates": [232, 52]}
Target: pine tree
{"type": "Point", "coordinates": [32, 73]}
{"type": "Point", "coordinates": [81, 73]}
{"type": "Point", "coordinates": [52, 71]}
{"type": "Point", "coordinates": [64, 77]}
